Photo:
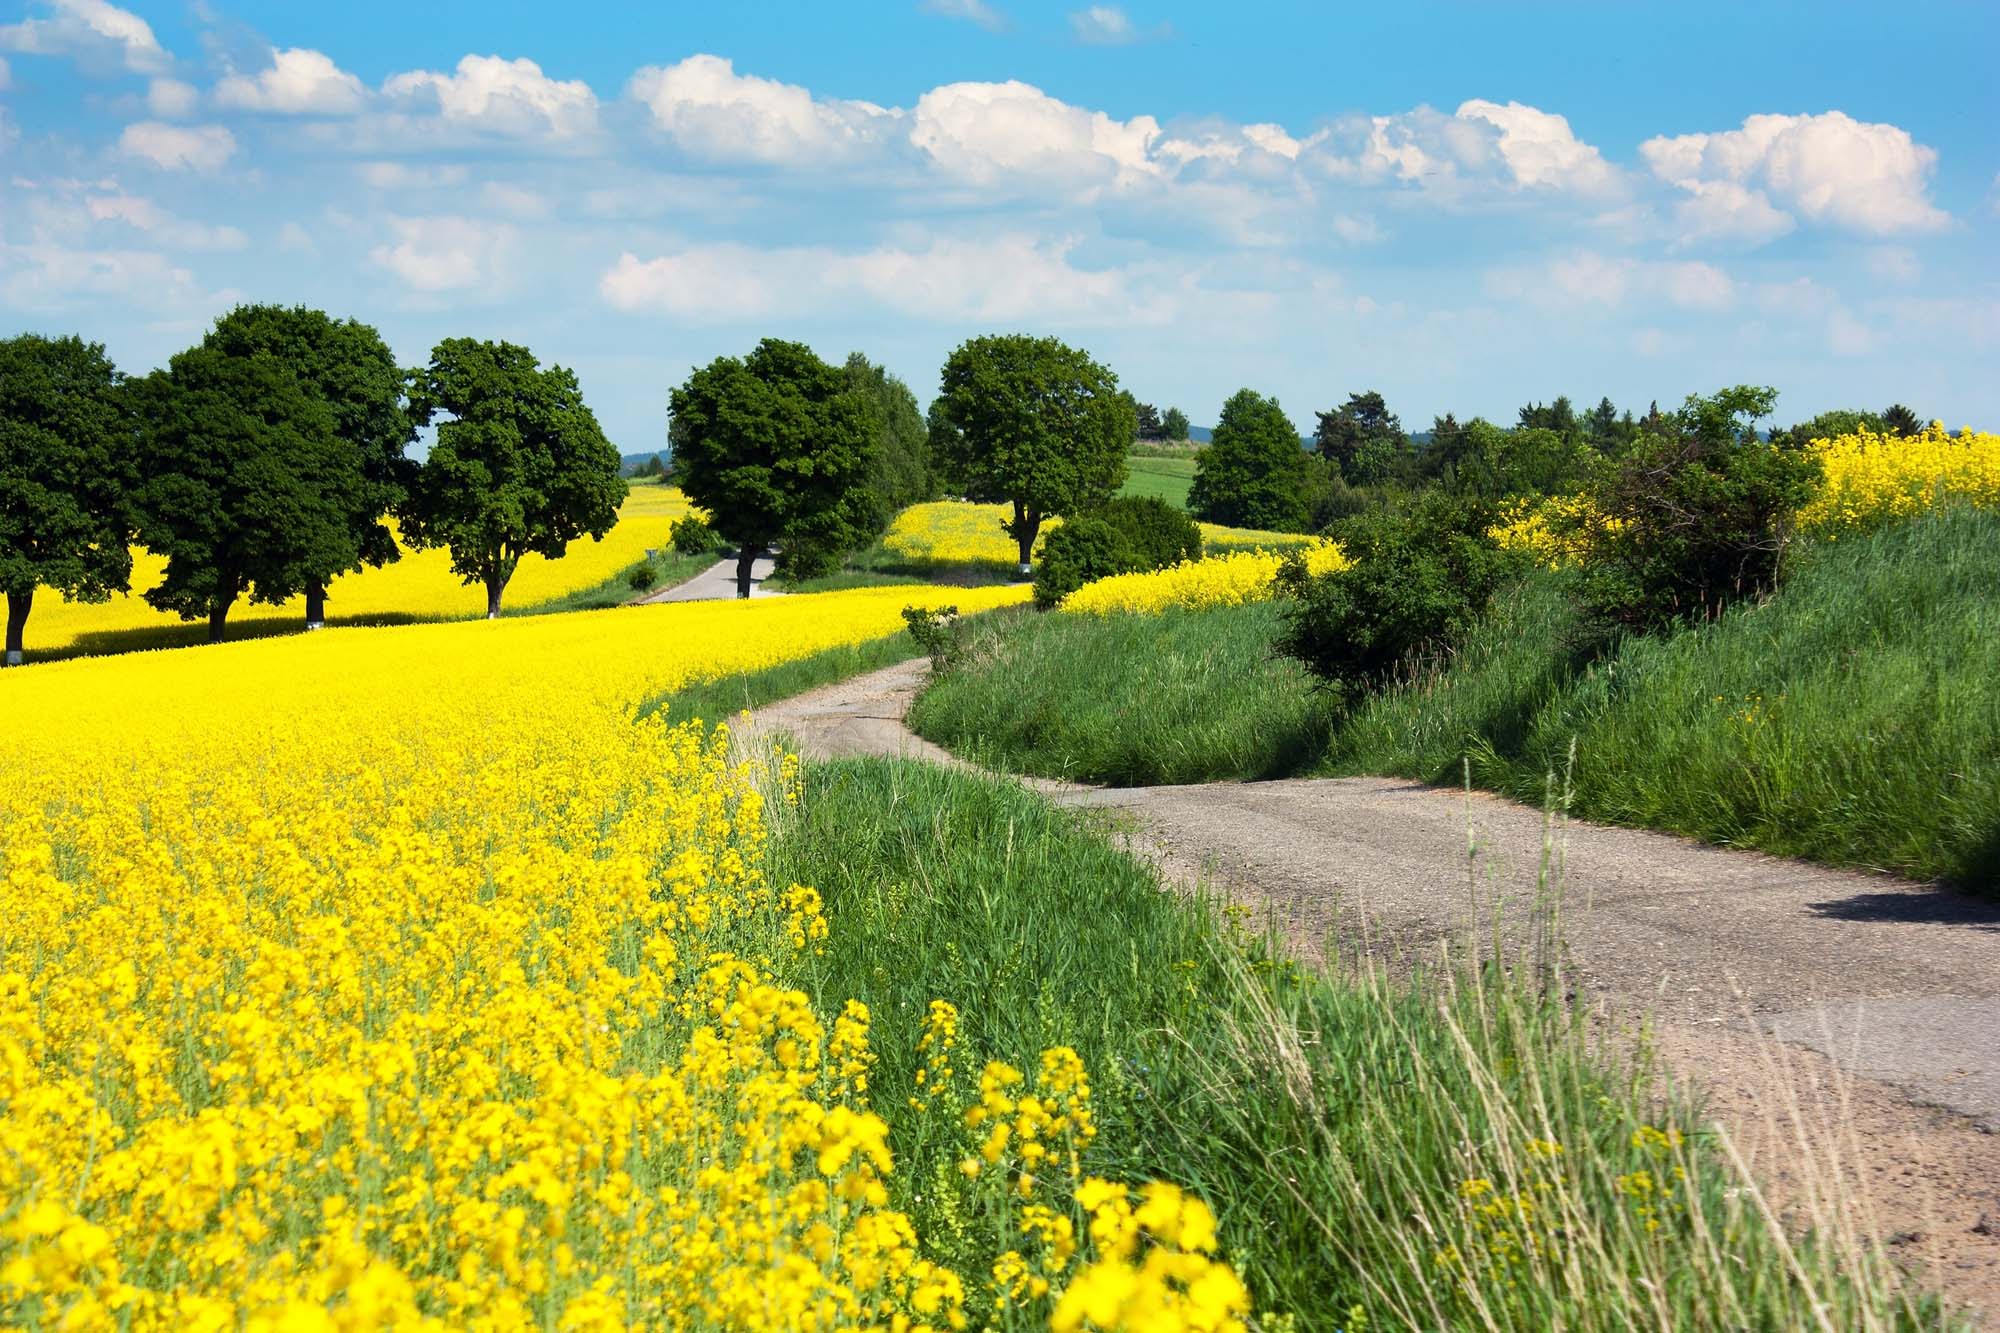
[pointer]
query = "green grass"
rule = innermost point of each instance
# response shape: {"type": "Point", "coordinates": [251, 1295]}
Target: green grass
{"type": "Point", "coordinates": [720, 700]}
{"type": "Point", "coordinates": [1162, 478]}
{"type": "Point", "coordinates": [669, 567]}
{"type": "Point", "coordinates": [1128, 700]}
{"type": "Point", "coordinates": [1331, 1120]}
{"type": "Point", "coordinates": [1852, 719]}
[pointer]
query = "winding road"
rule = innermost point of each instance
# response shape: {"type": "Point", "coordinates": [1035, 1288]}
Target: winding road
{"type": "Point", "coordinates": [1837, 1024]}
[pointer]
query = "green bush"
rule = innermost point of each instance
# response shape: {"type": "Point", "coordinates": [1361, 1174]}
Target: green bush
{"type": "Point", "coordinates": [641, 577]}
{"type": "Point", "coordinates": [1083, 550]}
{"type": "Point", "coordinates": [1159, 534]}
{"type": "Point", "coordinates": [693, 536]}
{"type": "Point", "coordinates": [1420, 578]}
{"type": "Point", "coordinates": [1697, 518]}
{"type": "Point", "coordinates": [801, 560]}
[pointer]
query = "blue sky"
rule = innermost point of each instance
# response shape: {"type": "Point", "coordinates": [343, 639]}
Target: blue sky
{"type": "Point", "coordinates": [1465, 206]}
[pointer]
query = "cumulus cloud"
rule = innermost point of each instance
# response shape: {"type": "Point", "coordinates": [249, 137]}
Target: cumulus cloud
{"type": "Point", "coordinates": [1588, 278]}
{"type": "Point", "coordinates": [170, 99]}
{"type": "Point", "coordinates": [972, 11]}
{"type": "Point", "coordinates": [299, 82]}
{"type": "Point", "coordinates": [405, 176]}
{"type": "Point", "coordinates": [44, 275]}
{"type": "Point", "coordinates": [1509, 146]}
{"type": "Point", "coordinates": [710, 110]}
{"type": "Point", "coordinates": [1829, 168]}
{"type": "Point", "coordinates": [441, 254]}
{"type": "Point", "coordinates": [202, 148]}
{"type": "Point", "coordinates": [511, 97]}
{"type": "Point", "coordinates": [144, 215]}
{"type": "Point", "coordinates": [1539, 147]}
{"type": "Point", "coordinates": [1726, 211]}
{"type": "Point", "coordinates": [97, 34]}
{"type": "Point", "coordinates": [1000, 279]}
{"type": "Point", "coordinates": [988, 133]}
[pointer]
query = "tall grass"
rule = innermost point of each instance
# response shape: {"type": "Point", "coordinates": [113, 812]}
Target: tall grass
{"type": "Point", "coordinates": [1129, 700]}
{"type": "Point", "coordinates": [1447, 1151]}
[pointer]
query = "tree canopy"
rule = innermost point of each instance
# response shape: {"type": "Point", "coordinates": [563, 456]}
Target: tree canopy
{"type": "Point", "coordinates": [65, 476]}
{"type": "Point", "coordinates": [781, 449]}
{"type": "Point", "coordinates": [519, 465]}
{"type": "Point", "coordinates": [1174, 424]}
{"type": "Point", "coordinates": [344, 365]}
{"type": "Point", "coordinates": [1363, 439]}
{"type": "Point", "coordinates": [1034, 423]}
{"type": "Point", "coordinates": [245, 482]}
{"type": "Point", "coordinates": [1254, 472]}
{"type": "Point", "coordinates": [901, 473]}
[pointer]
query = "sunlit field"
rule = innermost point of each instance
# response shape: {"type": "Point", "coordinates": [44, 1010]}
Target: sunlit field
{"type": "Point", "coordinates": [420, 586]}
{"type": "Point", "coordinates": [959, 532]}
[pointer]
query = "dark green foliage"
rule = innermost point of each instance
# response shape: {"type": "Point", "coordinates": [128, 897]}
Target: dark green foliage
{"type": "Point", "coordinates": [1703, 516]}
{"type": "Point", "coordinates": [345, 365]}
{"type": "Point", "coordinates": [246, 483]}
{"type": "Point", "coordinates": [939, 632]}
{"type": "Point", "coordinates": [901, 475]}
{"type": "Point", "coordinates": [519, 464]}
{"type": "Point", "coordinates": [1529, 460]}
{"type": "Point", "coordinates": [654, 467]}
{"type": "Point", "coordinates": [693, 536]}
{"type": "Point", "coordinates": [1033, 423]}
{"type": "Point", "coordinates": [1900, 420]}
{"type": "Point", "coordinates": [1149, 421]}
{"type": "Point", "coordinates": [1558, 417]}
{"type": "Point", "coordinates": [1827, 426]}
{"type": "Point", "coordinates": [781, 449]}
{"type": "Point", "coordinates": [1083, 550]}
{"type": "Point", "coordinates": [66, 473]}
{"type": "Point", "coordinates": [641, 577]}
{"type": "Point", "coordinates": [1174, 424]}
{"type": "Point", "coordinates": [1157, 533]}
{"type": "Point", "coordinates": [1253, 474]}
{"type": "Point", "coordinates": [1364, 440]}
{"type": "Point", "coordinates": [1420, 578]}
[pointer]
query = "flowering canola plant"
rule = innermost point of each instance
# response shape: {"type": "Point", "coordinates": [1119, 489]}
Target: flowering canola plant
{"type": "Point", "coordinates": [420, 584]}
{"type": "Point", "coordinates": [1197, 585]}
{"type": "Point", "coordinates": [960, 532]}
{"type": "Point", "coordinates": [408, 977]}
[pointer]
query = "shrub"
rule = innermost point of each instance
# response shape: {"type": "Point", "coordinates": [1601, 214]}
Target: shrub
{"type": "Point", "coordinates": [1158, 533]}
{"type": "Point", "coordinates": [641, 577]}
{"type": "Point", "coordinates": [801, 560]}
{"type": "Point", "coordinates": [1083, 549]}
{"type": "Point", "coordinates": [693, 536]}
{"type": "Point", "coordinates": [939, 633]}
{"type": "Point", "coordinates": [1694, 519]}
{"type": "Point", "coordinates": [1418, 579]}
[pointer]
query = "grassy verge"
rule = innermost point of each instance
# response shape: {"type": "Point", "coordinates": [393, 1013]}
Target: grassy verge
{"type": "Point", "coordinates": [669, 567]}
{"type": "Point", "coordinates": [1852, 719]}
{"type": "Point", "coordinates": [1129, 700]}
{"type": "Point", "coordinates": [1165, 478]}
{"type": "Point", "coordinates": [1444, 1153]}
{"type": "Point", "coordinates": [719, 700]}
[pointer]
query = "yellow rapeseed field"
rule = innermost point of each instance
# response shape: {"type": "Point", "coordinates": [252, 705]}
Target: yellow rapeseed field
{"type": "Point", "coordinates": [420, 585]}
{"type": "Point", "coordinates": [959, 532]}
{"type": "Point", "coordinates": [404, 977]}
{"type": "Point", "coordinates": [1197, 585]}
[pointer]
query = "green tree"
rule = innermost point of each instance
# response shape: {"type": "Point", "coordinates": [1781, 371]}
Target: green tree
{"type": "Point", "coordinates": [1362, 438]}
{"type": "Point", "coordinates": [1559, 416]}
{"type": "Point", "coordinates": [1174, 424]}
{"type": "Point", "coordinates": [779, 448]}
{"type": "Point", "coordinates": [1827, 426]}
{"type": "Point", "coordinates": [345, 365]}
{"type": "Point", "coordinates": [65, 476]}
{"type": "Point", "coordinates": [519, 465]}
{"type": "Point", "coordinates": [1033, 423]}
{"type": "Point", "coordinates": [245, 482]}
{"type": "Point", "coordinates": [901, 473]}
{"type": "Point", "coordinates": [1253, 474]}
{"type": "Point", "coordinates": [1149, 421]}
{"type": "Point", "coordinates": [1900, 420]}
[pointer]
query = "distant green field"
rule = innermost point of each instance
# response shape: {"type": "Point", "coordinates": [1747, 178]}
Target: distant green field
{"type": "Point", "coordinates": [1163, 478]}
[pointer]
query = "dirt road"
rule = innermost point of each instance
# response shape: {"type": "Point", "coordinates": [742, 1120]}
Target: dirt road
{"type": "Point", "coordinates": [1836, 1021]}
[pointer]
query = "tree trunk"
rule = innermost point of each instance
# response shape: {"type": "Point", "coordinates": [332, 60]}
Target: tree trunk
{"type": "Point", "coordinates": [1027, 523]}
{"type": "Point", "coordinates": [17, 623]}
{"type": "Point", "coordinates": [218, 614]}
{"type": "Point", "coordinates": [746, 560]}
{"type": "Point", "coordinates": [315, 604]}
{"type": "Point", "coordinates": [495, 585]}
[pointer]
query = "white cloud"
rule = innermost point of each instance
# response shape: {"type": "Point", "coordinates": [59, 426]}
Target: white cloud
{"type": "Point", "coordinates": [1423, 148]}
{"type": "Point", "coordinates": [438, 254]}
{"type": "Point", "coordinates": [973, 11]}
{"type": "Point", "coordinates": [295, 239]}
{"type": "Point", "coordinates": [1588, 278]}
{"type": "Point", "coordinates": [403, 176]}
{"type": "Point", "coordinates": [1001, 279]}
{"type": "Point", "coordinates": [709, 109]}
{"type": "Point", "coordinates": [1726, 211]}
{"type": "Point", "coordinates": [509, 97]}
{"type": "Point", "coordinates": [298, 82]}
{"type": "Point", "coordinates": [46, 276]}
{"type": "Point", "coordinates": [1540, 149]}
{"type": "Point", "coordinates": [1102, 25]}
{"type": "Point", "coordinates": [170, 99]}
{"type": "Point", "coordinates": [1892, 263]}
{"type": "Point", "coordinates": [513, 199]}
{"type": "Point", "coordinates": [97, 34]}
{"type": "Point", "coordinates": [986, 133]}
{"type": "Point", "coordinates": [177, 233]}
{"type": "Point", "coordinates": [202, 148]}
{"type": "Point", "coordinates": [6, 76]}
{"type": "Point", "coordinates": [1830, 168]}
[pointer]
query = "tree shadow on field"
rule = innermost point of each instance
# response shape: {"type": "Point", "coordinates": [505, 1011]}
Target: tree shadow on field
{"type": "Point", "coordinates": [194, 634]}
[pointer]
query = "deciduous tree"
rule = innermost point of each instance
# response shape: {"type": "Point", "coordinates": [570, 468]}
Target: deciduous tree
{"type": "Point", "coordinates": [1174, 425]}
{"type": "Point", "coordinates": [1363, 439]}
{"type": "Point", "coordinates": [65, 476]}
{"type": "Point", "coordinates": [519, 466]}
{"type": "Point", "coordinates": [901, 472]}
{"type": "Point", "coordinates": [1254, 472]}
{"type": "Point", "coordinates": [1034, 423]}
{"type": "Point", "coordinates": [780, 448]}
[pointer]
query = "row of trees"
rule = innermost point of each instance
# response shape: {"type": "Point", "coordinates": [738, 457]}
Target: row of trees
{"type": "Point", "coordinates": [1256, 474]}
{"type": "Point", "coordinates": [272, 457]}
